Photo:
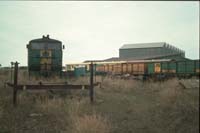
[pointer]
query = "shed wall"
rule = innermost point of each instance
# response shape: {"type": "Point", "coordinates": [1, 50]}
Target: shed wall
{"type": "Point", "coordinates": [140, 53]}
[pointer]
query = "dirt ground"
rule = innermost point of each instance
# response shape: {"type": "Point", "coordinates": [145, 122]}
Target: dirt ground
{"type": "Point", "coordinates": [120, 106]}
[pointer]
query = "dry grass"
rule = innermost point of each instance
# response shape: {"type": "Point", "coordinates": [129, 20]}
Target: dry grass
{"type": "Point", "coordinates": [84, 119]}
{"type": "Point", "coordinates": [170, 92]}
{"type": "Point", "coordinates": [179, 106]}
{"type": "Point", "coordinates": [120, 85]}
{"type": "Point", "coordinates": [1, 112]}
{"type": "Point", "coordinates": [120, 106]}
{"type": "Point", "coordinates": [50, 105]}
{"type": "Point", "coordinates": [91, 124]}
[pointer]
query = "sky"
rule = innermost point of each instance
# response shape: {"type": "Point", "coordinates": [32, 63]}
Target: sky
{"type": "Point", "coordinates": [96, 29]}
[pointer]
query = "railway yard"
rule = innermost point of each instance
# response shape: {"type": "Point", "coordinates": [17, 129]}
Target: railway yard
{"type": "Point", "coordinates": [99, 67]}
{"type": "Point", "coordinates": [121, 96]}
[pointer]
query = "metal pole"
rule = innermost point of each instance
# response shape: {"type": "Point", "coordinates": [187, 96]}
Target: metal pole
{"type": "Point", "coordinates": [15, 83]}
{"type": "Point", "coordinates": [91, 82]}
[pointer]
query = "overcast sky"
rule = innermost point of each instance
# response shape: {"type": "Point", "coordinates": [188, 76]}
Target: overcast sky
{"type": "Point", "coordinates": [96, 30]}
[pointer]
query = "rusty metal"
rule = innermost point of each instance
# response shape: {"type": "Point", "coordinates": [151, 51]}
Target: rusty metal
{"type": "Point", "coordinates": [50, 86]}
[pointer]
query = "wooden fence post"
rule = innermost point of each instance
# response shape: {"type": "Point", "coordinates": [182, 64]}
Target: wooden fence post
{"type": "Point", "coordinates": [15, 83]}
{"type": "Point", "coordinates": [91, 82]}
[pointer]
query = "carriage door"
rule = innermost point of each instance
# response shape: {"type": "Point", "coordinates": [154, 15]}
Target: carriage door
{"type": "Point", "coordinates": [157, 68]}
{"type": "Point", "coordinates": [45, 59]}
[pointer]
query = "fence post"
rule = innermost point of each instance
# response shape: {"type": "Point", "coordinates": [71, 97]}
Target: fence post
{"type": "Point", "coordinates": [15, 83]}
{"type": "Point", "coordinates": [11, 76]}
{"type": "Point", "coordinates": [91, 82]}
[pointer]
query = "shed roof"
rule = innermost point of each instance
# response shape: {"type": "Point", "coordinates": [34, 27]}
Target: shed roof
{"type": "Point", "coordinates": [145, 57]}
{"type": "Point", "coordinates": [143, 45]}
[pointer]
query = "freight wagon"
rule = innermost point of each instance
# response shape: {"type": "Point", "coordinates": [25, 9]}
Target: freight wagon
{"type": "Point", "coordinates": [185, 68]}
{"type": "Point", "coordinates": [146, 68]}
{"type": "Point", "coordinates": [152, 68]}
{"type": "Point", "coordinates": [138, 67]}
{"type": "Point", "coordinates": [83, 69]}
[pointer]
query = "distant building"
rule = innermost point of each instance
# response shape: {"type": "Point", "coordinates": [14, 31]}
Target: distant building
{"type": "Point", "coordinates": [156, 50]}
{"type": "Point", "coordinates": [147, 51]}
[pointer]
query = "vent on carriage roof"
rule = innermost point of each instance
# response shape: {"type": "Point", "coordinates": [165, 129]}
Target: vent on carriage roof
{"type": "Point", "coordinates": [46, 39]}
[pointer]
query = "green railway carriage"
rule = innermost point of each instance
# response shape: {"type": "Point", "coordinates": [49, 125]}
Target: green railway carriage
{"type": "Point", "coordinates": [157, 67]}
{"type": "Point", "coordinates": [197, 68]}
{"type": "Point", "coordinates": [150, 68]}
{"type": "Point", "coordinates": [186, 67]}
{"type": "Point", "coordinates": [164, 67]}
{"type": "Point", "coordinates": [171, 67]}
{"type": "Point", "coordinates": [167, 67]}
{"type": "Point", "coordinates": [79, 71]}
{"type": "Point", "coordinates": [175, 68]}
{"type": "Point", "coordinates": [45, 56]}
{"type": "Point", "coordinates": [147, 68]}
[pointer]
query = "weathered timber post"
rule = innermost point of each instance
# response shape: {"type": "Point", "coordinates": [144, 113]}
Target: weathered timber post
{"type": "Point", "coordinates": [15, 83]}
{"type": "Point", "coordinates": [94, 72]}
{"type": "Point", "coordinates": [91, 82]}
{"type": "Point", "coordinates": [11, 73]}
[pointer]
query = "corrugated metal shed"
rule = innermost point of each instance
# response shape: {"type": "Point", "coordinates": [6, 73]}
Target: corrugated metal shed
{"type": "Point", "coordinates": [167, 56]}
{"type": "Point", "coordinates": [143, 45]}
{"type": "Point", "coordinates": [149, 50]}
